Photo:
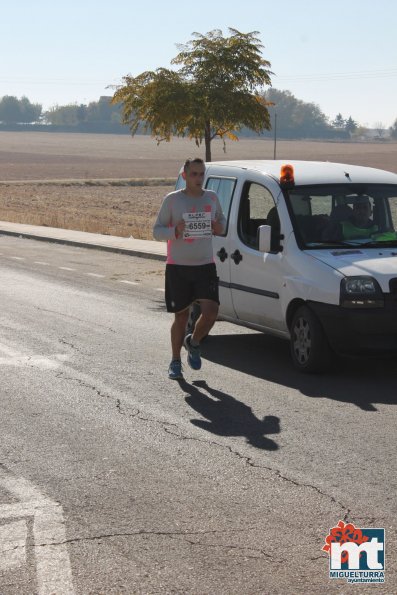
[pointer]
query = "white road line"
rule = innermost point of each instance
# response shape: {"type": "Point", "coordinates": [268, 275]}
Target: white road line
{"type": "Point", "coordinates": [19, 509]}
{"type": "Point", "coordinates": [21, 488]}
{"type": "Point", "coordinates": [54, 573]}
{"type": "Point", "coordinates": [159, 289]}
{"type": "Point", "coordinates": [17, 257]}
{"type": "Point", "coordinates": [40, 262]}
{"type": "Point", "coordinates": [95, 275]}
{"type": "Point", "coordinates": [51, 553]}
{"type": "Point", "coordinates": [8, 350]}
{"type": "Point", "coordinates": [66, 269]}
{"type": "Point", "coordinates": [13, 538]}
{"type": "Point", "coordinates": [128, 282]}
{"type": "Point", "coordinates": [30, 361]}
{"type": "Point", "coordinates": [18, 359]}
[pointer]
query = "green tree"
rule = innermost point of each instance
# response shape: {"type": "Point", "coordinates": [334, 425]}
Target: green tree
{"type": "Point", "coordinates": [360, 132]}
{"type": "Point", "coordinates": [63, 115]}
{"type": "Point", "coordinates": [30, 112]}
{"type": "Point", "coordinates": [81, 113]}
{"type": "Point", "coordinates": [339, 121]}
{"type": "Point", "coordinates": [10, 111]}
{"type": "Point", "coordinates": [215, 92]}
{"type": "Point", "coordinates": [351, 126]}
{"type": "Point", "coordinates": [100, 111]}
{"type": "Point", "coordinates": [18, 111]}
{"type": "Point", "coordinates": [296, 118]}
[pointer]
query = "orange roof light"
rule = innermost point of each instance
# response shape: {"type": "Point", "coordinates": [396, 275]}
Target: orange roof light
{"type": "Point", "coordinates": [287, 175]}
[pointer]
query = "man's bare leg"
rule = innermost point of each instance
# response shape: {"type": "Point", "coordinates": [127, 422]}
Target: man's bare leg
{"type": "Point", "coordinates": [178, 331]}
{"type": "Point", "coordinates": [206, 320]}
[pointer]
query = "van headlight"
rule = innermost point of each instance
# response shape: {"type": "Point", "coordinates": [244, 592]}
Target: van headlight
{"type": "Point", "coordinates": [361, 292]}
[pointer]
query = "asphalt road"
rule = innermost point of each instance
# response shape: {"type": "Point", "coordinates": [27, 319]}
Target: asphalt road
{"type": "Point", "coordinates": [114, 479]}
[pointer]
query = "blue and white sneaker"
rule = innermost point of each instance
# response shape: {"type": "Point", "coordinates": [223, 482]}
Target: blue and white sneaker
{"type": "Point", "coordinates": [175, 370]}
{"type": "Point", "coordinates": [193, 353]}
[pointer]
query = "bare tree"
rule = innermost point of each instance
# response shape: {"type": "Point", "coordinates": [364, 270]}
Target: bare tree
{"type": "Point", "coordinates": [380, 129]}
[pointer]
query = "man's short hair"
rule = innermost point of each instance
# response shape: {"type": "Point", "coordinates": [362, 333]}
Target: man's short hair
{"type": "Point", "coordinates": [189, 161]}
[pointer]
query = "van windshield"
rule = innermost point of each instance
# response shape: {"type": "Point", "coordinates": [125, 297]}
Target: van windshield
{"type": "Point", "coordinates": [347, 215]}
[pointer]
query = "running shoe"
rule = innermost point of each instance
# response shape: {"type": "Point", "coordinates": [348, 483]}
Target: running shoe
{"type": "Point", "coordinates": [175, 370]}
{"type": "Point", "coordinates": [193, 353]}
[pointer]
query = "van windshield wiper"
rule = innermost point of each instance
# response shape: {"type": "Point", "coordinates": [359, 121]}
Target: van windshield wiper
{"type": "Point", "coordinates": [380, 243]}
{"type": "Point", "coordinates": [349, 243]}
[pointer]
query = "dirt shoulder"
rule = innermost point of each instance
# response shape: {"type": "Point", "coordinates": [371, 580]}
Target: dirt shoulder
{"type": "Point", "coordinates": [114, 210]}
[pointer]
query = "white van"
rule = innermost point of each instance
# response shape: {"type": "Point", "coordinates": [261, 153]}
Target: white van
{"type": "Point", "coordinates": [294, 262]}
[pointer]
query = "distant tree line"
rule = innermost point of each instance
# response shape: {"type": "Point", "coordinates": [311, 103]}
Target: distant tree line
{"type": "Point", "coordinates": [294, 118]}
{"type": "Point", "coordinates": [76, 115]}
{"type": "Point", "coordinates": [97, 116]}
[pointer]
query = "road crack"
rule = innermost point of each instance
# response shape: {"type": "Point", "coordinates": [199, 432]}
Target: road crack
{"type": "Point", "coordinates": [83, 383]}
{"type": "Point", "coordinates": [241, 551]}
{"type": "Point", "coordinates": [249, 461]}
{"type": "Point", "coordinates": [63, 341]}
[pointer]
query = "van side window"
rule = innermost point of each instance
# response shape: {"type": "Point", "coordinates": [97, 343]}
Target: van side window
{"type": "Point", "coordinates": [257, 208]}
{"type": "Point", "coordinates": [224, 189]}
{"type": "Point", "coordinates": [180, 183]}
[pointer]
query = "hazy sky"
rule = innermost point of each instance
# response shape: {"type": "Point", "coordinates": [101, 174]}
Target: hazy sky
{"type": "Point", "coordinates": [339, 54]}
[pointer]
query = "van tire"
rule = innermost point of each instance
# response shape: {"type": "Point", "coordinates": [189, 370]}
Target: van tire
{"type": "Point", "coordinates": [309, 347]}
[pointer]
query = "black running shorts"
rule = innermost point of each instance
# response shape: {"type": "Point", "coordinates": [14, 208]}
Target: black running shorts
{"type": "Point", "coordinates": [186, 284]}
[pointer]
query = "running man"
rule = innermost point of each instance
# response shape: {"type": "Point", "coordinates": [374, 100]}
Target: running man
{"type": "Point", "coordinates": [187, 220]}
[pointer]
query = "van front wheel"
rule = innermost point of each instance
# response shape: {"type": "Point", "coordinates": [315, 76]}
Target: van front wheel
{"type": "Point", "coordinates": [310, 351]}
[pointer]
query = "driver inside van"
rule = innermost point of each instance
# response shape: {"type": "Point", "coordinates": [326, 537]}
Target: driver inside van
{"type": "Point", "coordinates": [358, 225]}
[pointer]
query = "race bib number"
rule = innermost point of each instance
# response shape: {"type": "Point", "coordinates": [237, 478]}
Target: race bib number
{"type": "Point", "coordinates": [197, 225]}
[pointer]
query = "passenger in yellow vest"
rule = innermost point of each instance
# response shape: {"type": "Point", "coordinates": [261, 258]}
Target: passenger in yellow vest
{"type": "Point", "coordinates": [356, 225]}
{"type": "Point", "coordinates": [360, 224]}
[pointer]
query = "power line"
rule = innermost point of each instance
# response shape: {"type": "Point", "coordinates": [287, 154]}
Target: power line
{"type": "Point", "coordinates": [27, 81]}
{"type": "Point", "coordinates": [332, 76]}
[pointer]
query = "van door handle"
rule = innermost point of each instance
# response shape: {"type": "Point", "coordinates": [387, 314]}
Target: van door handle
{"type": "Point", "coordinates": [222, 254]}
{"type": "Point", "coordinates": [236, 256]}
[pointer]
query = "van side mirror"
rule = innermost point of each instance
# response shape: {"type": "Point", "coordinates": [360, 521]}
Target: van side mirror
{"type": "Point", "coordinates": [265, 236]}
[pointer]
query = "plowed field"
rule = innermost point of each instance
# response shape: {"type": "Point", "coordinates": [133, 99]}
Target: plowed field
{"type": "Point", "coordinates": [78, 181]}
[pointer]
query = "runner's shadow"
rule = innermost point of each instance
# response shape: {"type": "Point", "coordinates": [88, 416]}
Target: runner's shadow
{"type": "Point", "coordinates": [226, 416]}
